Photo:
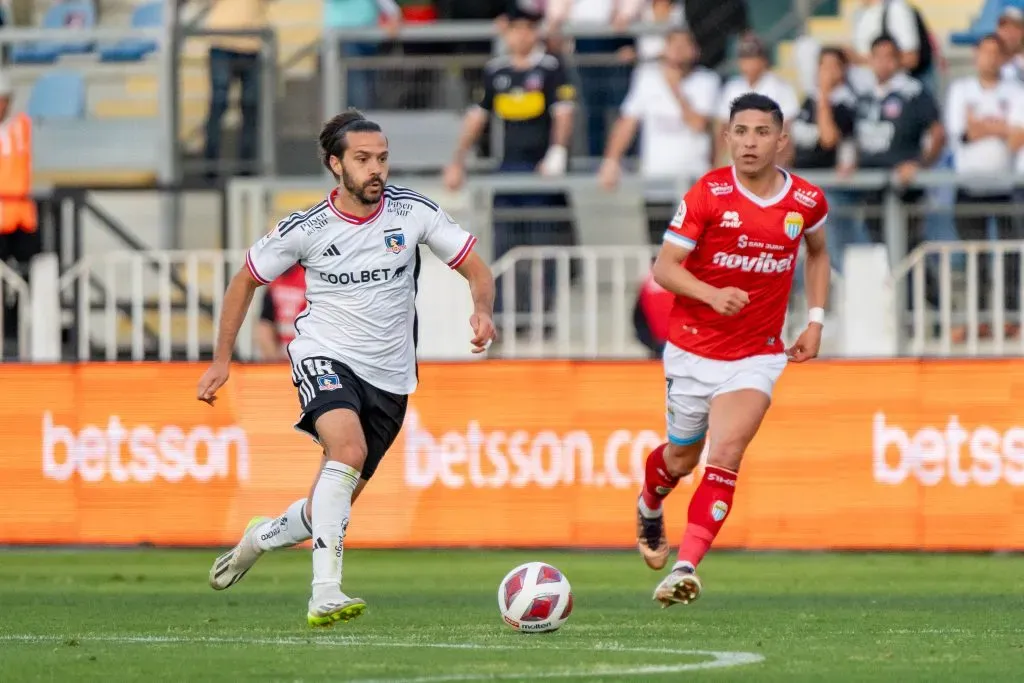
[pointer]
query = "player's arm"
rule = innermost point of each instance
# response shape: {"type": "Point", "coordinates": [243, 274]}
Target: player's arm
{"type": "Point", "coordinates": [266, 260]}
{"type": "Point", "coordinates": [818, 275]}
{"type": "Point", "coordinates": [681, 239]}
{"type": "Point", "coordinates": [481, 288]}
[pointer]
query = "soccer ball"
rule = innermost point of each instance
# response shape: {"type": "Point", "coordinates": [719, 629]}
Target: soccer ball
{"type": "Point", "coordinates": [535, 598]}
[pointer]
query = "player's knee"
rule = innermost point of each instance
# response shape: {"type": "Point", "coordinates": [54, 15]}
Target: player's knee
{"type": "Point", "coordinates": [681, 459]}
{"type": "Point", "coordinates": [727, 453]}
{"type": "Point", "coordinates": [347, 453]}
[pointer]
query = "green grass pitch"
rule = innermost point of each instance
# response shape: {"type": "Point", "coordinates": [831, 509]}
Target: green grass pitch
{"type": "Point", "coordinates": [432, 617]}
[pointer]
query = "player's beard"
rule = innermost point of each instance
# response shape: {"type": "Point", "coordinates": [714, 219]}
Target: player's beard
{"type": "Point", "coordinates": [367, 193]}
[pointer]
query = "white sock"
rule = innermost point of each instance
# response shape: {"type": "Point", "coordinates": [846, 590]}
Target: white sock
{"type": "Point", "coordinates": [291, 528]}
{"type": "Point", "coordinates": [647, 512]}
{"type": "Point", "coordinates": [332, 503]}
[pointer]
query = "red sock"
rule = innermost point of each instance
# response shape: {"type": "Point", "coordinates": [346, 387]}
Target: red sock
{"type": "Point", "coordinates": [658, 483]}
{"type": "Point", "coordinates": [709, 507]}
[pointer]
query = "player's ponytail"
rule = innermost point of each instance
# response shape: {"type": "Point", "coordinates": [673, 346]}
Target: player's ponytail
{"type": "Point", "coordinates": [334, 135]}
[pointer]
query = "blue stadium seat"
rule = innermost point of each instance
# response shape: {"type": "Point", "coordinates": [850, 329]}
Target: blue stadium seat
{"type": "Point", "coordinates": [984, 23]}
{"type": "Point", "coordinates": [67, 16]}
{"type": "Point", "coordinates": [56, 96]}
{"type": "Point", "coordinates": [149, 15]}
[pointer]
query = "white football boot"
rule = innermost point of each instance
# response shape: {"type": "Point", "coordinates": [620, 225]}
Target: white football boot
{"type": "Point", "coordinates": [681, 586]}
{"type": "Point", "coordinates": [229, 568]}
{"type": "Point", "coordinates": [331, 606]}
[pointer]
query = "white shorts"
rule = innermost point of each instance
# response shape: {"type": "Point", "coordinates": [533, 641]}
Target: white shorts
{"type": "Point", "coordinates": [693, 381]}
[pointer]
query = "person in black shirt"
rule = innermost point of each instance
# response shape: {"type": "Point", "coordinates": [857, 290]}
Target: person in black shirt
{"type": "Point", "coordinates": [528, 91]}
{"type": "Point", "coordinates": [822, 134]}
{"type": "Point", "coordinates": [893, 119]}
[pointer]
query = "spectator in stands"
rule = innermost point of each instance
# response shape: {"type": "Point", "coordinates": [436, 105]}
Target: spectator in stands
{"type": "Point", "coordinates": [822, 136]}
{"type": "Point", "coordinates": [984, 118]}
{"type": "Point", "coordinates": [361, 14]}
{"type": "Point", "coordinates": [714, 23]}
{"type": "Point", "coordinates": [527, 90]}
{"type": "Point", "coordinates": [19, 238]}
{"type": "Point", "coordinates": [282, 302]}
{"type": "Point", "coordinates": [672, 102]}
{"type": "Point", "coordinates": [1011, 32]}
{"type": "Point", "coordinates": [235, 58]}
{"type": "Point", "coordinates": [898, 126]}
{"type": "Point", "coordinates": [602, 86]}
{"type": "Point", "coordinates": [897, 20]}
{"type": "Point", "coordinates": [755, 76]}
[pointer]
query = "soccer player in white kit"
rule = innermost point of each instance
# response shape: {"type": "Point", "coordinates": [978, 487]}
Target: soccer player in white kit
{"type": "Point", "coordinates": [354, 354]}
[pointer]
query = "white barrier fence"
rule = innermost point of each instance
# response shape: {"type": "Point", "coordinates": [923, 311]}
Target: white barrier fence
{"type": "Point", "coordinates": [14, 298]}
{"type": "Point", "coordinates": [570, 302]}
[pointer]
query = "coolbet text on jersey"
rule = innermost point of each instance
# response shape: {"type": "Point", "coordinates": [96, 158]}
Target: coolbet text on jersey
{"type": "Point", "coordinates": [744, 241]}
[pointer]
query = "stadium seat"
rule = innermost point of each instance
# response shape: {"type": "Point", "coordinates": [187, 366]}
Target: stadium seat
{"type": "Point", "coordinates": [149, 15]}
{"type": "Point", "coordinates": [57, 96]}
{"type": "Point", "coordinates": [66, 16]}
{"type": "Point", "coordinates": [984, 23]}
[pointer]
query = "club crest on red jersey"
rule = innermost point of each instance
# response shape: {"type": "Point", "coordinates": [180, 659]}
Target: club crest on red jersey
{"type": "Point", "coordinates": [793, 224]}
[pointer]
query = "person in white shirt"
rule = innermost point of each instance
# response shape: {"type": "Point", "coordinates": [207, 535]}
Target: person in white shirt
{"type": "Point", "coordinates": [755, 76]}
{"type": "Point", "coordinates": [672, 102]}
{"type": "Point", "coordinates": [602, 87]}
{"type": "Point", "coordinates": [1011, 31]}
{"type": "Point", "coordinates": [985, 121]}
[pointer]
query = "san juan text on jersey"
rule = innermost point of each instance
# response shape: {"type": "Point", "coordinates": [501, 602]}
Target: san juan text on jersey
{"type": "Point", "coordinates": [361, 280]}
{"type": "Point", "coordinates": [744, 241]}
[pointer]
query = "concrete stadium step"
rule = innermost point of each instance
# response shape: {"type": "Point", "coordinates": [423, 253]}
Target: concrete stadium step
{"type": "Point", "coordinates": [179, 327]}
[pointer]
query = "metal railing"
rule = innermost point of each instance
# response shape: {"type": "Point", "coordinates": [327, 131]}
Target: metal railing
{"type": "Point", "coordinates": [139, 310]}
{"type": "Point", "coordinates": [956, 311]}
{"type": "Point", "coordinates": [14, 299]}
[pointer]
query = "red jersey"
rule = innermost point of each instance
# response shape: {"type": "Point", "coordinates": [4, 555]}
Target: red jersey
{"type": "Point", "coordinates": [744, 241]}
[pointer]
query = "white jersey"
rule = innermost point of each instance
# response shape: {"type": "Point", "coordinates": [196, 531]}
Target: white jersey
{"type": "Point", "coordinates": [361, 280]}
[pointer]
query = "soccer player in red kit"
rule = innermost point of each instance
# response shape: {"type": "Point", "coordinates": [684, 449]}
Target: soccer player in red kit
{"type": "Point", "coordinates": [728, 256]}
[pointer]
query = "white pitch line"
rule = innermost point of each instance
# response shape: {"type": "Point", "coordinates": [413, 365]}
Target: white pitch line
{"type": "Point", "coordinates": [717, 660]}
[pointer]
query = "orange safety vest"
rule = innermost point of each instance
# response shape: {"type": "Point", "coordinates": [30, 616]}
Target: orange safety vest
{"type": "Point", "coordinates": [17, 209]}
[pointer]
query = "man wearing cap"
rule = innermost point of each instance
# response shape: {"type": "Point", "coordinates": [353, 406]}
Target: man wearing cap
{"type": "Point", "coordinates": [1011, 32]}
{"type": "Point", "coordinates": [527, 90]}
{"type": "Point", "coordinates": [755, 76]}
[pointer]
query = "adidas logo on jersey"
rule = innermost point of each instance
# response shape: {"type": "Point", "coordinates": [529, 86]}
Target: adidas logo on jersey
{"type": "Point", "coordinates": [808, 198]}
{"type": "Point", "coordinates": [765, 262]}
{"type": "Point", "coordinates": [331, 251]}
{"type": "Point", "coordinates": [731, 219]}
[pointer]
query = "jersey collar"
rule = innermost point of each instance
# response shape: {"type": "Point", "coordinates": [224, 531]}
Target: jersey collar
{"type": "Point", "coordinates": [761, 201]}
{"type": "Point", "coordinates": [349, 218]}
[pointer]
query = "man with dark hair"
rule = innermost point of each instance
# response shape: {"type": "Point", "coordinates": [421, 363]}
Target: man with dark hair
{"type": "Point", "coordinates": [728, 256]}
{"type": "Point", "coordinates": [354, 353]}
{"type": "Point", "coordinates": [897, 127]}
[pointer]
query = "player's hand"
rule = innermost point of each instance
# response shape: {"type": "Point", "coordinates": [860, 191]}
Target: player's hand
{"type": "Point", "coordinates": [729, 301]}
{"type": "Point", "coordinates": [609, 174]}
{"type": "Point", "coordinates": [454, 176]}
{"type": "Point", "coordinates": [807, 346]}
{"type": "Point", "coordinates": [212, 380]}
{"type": "Point", "coordinates": [484, 332]}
